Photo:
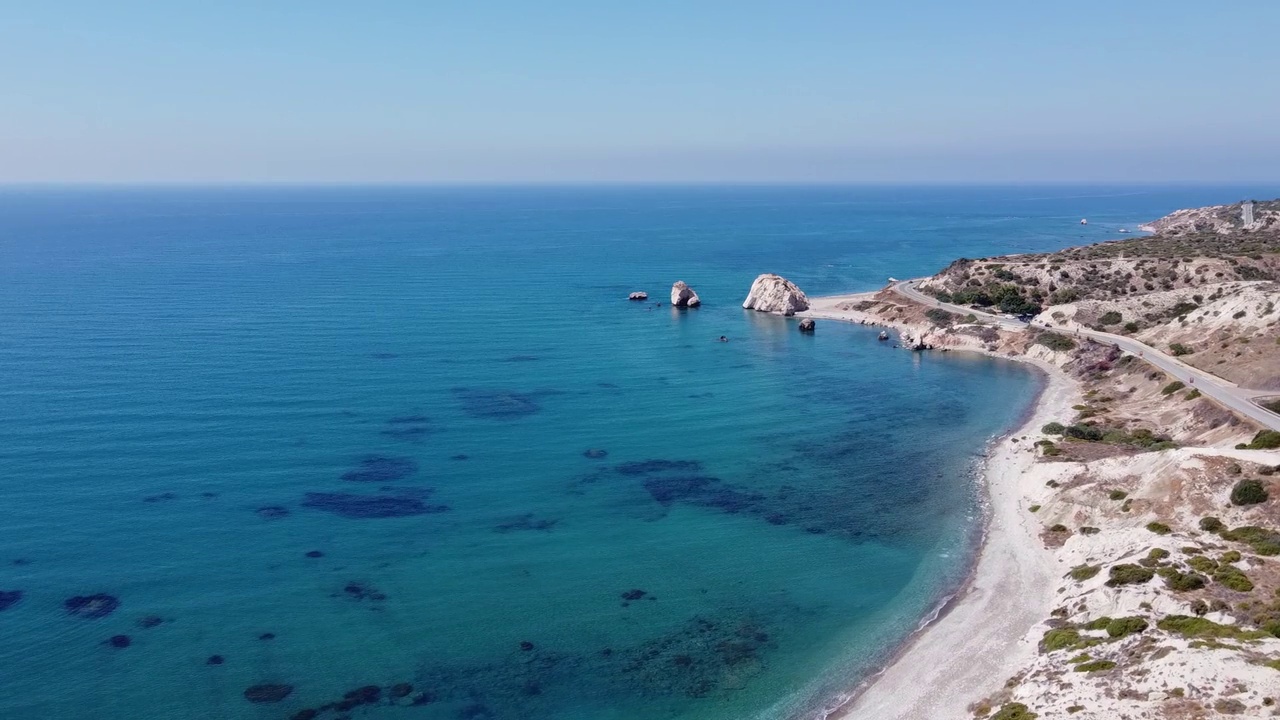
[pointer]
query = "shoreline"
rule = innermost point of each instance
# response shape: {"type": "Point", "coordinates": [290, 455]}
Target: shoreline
{"type": "Point", "coordinates": [975, 637]}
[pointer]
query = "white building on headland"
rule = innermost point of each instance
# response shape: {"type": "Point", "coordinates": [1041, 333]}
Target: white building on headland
{"type": "Point", "coordinates": [1246, 213]}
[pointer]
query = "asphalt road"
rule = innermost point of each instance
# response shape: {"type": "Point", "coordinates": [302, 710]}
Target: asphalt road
{"type": "Point", "coordinates": [1226, 393]}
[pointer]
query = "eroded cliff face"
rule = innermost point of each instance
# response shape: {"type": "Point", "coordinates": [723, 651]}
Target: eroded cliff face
{"type": "Point", "coordinates": [1220, 219]}
{"type": "Point", "coordinates": [775, 294]}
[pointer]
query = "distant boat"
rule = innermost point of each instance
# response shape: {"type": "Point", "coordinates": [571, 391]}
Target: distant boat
{"type": "Point", "coordinates": [1084, 221]}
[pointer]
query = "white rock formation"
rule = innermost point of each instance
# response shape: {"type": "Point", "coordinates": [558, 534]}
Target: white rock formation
{"type": "Point", "coordinates": [683, 296]}
{"type": "Point", "coordinates": [775, 294]}
{"type": "Point", "coordinates": [641, 295]}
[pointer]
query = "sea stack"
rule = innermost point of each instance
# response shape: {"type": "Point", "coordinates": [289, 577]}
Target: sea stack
{"type": "Point", "coordinates": [683, 296]}
{"type": "Point", "coordinates": [775, 294]}
{"type": "Point", "coordinates": [806, 325]}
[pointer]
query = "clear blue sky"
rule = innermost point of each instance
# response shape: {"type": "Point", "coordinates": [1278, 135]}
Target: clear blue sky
{"type": "Point", "coordinates": [804, 90]}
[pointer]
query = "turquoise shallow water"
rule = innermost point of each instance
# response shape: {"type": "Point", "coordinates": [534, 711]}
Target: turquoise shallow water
{"type": "Point", "coordinates": [204, 386]}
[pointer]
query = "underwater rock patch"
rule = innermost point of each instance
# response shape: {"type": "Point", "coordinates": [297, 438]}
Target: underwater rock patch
{"type": "Point", "coordinates": [595, 454]}
{"type": "Point", "coordinates": [358, 592]}
{"type": "Point", "coordinates": [649, 467]}
{"type": "Point", "coordinates": [162, 497]}
{"type": "Point", "coordinates": [267, 636]}
{"type": "Point", "coordinates": [380, 468]}
{"type": "Point", "coordinates": [150, 621]}
{"type": "Point", "coordinates": [314, 554]}
{"type": "Point", "coordinates": [460, 456]}
{"type": "Point", "coordinates": [525, 522]}
{"type": "Point", "coordinates": [522, 358]}
{"type": "Point", "coordinates": [119, 641]}
{"type": "Point", "coordinates": [498, 404]}
{"type": "Point", "coordinates": [9, 598]}
{"type": "Point", "coordinates": [272, 512]}
{"type": "Point", "coordinates": [365, 507]}
{"type": "Point", "coordinates": [215, 660]}
{"type": "Point", "coordinates": [267, 693]}
{"type": "Point", "coordinates": [91, 607]}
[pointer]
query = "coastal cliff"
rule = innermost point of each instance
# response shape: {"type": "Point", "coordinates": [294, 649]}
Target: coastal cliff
{"type": "Point", "coordinates": [1130, 567]}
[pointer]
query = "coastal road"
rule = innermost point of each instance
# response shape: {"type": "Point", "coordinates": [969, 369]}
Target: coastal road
{"type": "Point", "coordinates": [1226, 393]}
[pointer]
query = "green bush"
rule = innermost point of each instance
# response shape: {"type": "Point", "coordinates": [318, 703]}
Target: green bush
{"type": "Point", "coordinates": [1172, 387]}
{"type": "Point", "coordinates": [1248, 492]}
{"type": "Point", "coordinates": [1117, 494]}
{"type": "Point", "coordinates": [1080, 573]}
{"type": "Point", "coordinates": [1202, 564]}
{"type": "Point", "coordinates": [1110, 318]}
{"type": "Point", "coordinates": [1264, 440]}
{"type": "Point", "coordinates": [1121, 627]}
{"type": "Point", "coordinates": [1089, 530]}
{"type": "Point", "coordinates": [1128, 574]}
{"type": "Point", "coordinates": [1034, 508]}
{"type": "Point", "coordinates": [1095, 666]}
{"type": "Point", "coordinates": [1058, 528]}
{"type": "Point", "coordinates": [1056, 342]}
{"type": "Point", "coordinates": [940, 317]}
{"type": "Point", "coordinates": [1211, 524]}
{"type": "Point", "coordinates": [1230, 556]}
{"type": "Point", "coordinates": [1178, 350]}
{"type": "Point", "coordinates": [1195, 393]}
{"type": "Point", "coordinates": [1053, 428]}
{"type": "Point", "coordinates": [1158, 528]}
{"type": "Point", "coordinates": [1196, 627]}
{"type": "Point", "coordinates": [1183, 582]}
{"type": "Point", "coordinates": [1131, 327]}
{"type": "Point", "coordinates": [1059, 639]}
{"type": "Point", "coordinates": [1014, 711]}
{"type": "Point", "coordinates": [1233, 578]}
{"type": "Point", "coordinates": [1262, 540]}
{"type": "Point", "coordinates": [1091, 433]}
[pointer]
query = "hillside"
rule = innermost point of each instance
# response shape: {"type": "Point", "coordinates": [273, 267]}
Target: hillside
{"type": "Point", "coordinates": [1204, 287]}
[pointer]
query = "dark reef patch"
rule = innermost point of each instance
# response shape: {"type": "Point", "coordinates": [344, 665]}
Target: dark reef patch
{"type": "Point", "coordinates": [364, 507]}
{"type": "Point", "coordinates": [649, 467]}
{"type": "Point", "coordinates": [9, 598]}
{"type": "Point", "coordinates": [525, 522]}
{"type": "Point", "coordinates": [409, 420]}
{"type": "Point", "coordinates": [119, 641]}
{"type": "Point", "coordinates": [162, 497]}
{"type": "Point", "coordinates": [91, 607]}
{"type": "Point", "coordinates": [267, 693]}
{"type": "Point", "coordinates": [408, 428]}
{"type": "Point", "coordinates": [215, 660]}
{"type": "Point", "coordinates": [380, 468]}
{"type": "Point", "coordinates": [314, 554]}
{"type": "Point", "coordinates": [493, 404]}
{"type": "Point", "coordinates": [360, 592]}
{"type": "Point", "coordinates": [595, 454]}
{"type": "Point", "coordinates": [150, 621]}
{"type": "Point", "coordinates": [522, 358]}
{"type": "Point", "coordinates": [272, 512]}
{"type": "Point", "coordinates": [460, 456]}
{"type": "Point", "coordinates": [267, 636]}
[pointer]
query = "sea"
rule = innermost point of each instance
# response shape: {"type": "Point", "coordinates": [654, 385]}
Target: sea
{"type": "Point", "coordinates": [410, 452]}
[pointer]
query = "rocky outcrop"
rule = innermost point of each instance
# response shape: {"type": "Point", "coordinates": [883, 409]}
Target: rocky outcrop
{"type": "Point", "coordinates": [638, 296]}
{"type": "Point", "coordinates": [683, 296]}
{"type": "Point", "coordinates": [775, 294]}
{"type": "Point", "coordinates": [806, 325]}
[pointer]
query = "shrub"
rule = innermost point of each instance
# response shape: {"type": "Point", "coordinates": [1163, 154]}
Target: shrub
{"type": "Point", "coordinates": [1178, 350]}
{"type": "Point", "coordinates": [1059, 639]}
{"type": "Point", "coordinates": [1034, 508]}
{"type": "Point", "coordinates": [1117, 494]}
{"type": "Point", "coordinates": [1110, 318]}
{"type": "Point", "coordinates": [940, 317]}
{"type": "Point", "coordinates": [1053, 428]}
{"type": "Point", "coordinates": [1089, 530]}
{"type": "Point", "coordinates": [1058, 528]}
{"type": "Point", "coordinates": [1231, 577]}
{"type": "Point", "coordinates": [1056, 342]}
{"type": "Point", "coordinates": [1131, 327]}
{"type": "Point", "coordinates": [1202, 564]}
{"type": "Point", "coordinates": [1158, 528]}
{"type": "Point", "coordinates": [1128, 574]}
{"type": "Point", "coordinates": [1121, 627]}
{"type": "Point", "coordinates": [1195, 627]}
{"type": "Point", "coordinates": [1248, 492]}
{"type": "Point", "coordinates": [1095, 666]}
{"type": "Point", "coordinates": [1264, 440]}
{"type": "Point", "coordinates": [1183, 582]}
{"type": "Point", "coordinates": [1195, 393]}
{"type": "Point", "coordinates": [1230, 556]}
{"type": "Point", "coordinates": [1211, 524]}
{"type": "Point", "coordinates": [1079, 431]}
{"type": "Point", "coordinates": [1262, 540]}
{"type": "Point", "coordinates": [1172, 387]}
{"type": "Point", "coordinates": [1014, 711]}
{"type": "Point", "coordinates": [1080, 573]}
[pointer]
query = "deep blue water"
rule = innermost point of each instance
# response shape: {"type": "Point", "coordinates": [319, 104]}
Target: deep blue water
{"type": "Point", "coordinates": [202, 386]}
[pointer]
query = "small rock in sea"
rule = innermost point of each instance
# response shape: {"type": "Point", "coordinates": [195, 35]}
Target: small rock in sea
{"type": "Point", "coordinates": [314, 554]}
{"type": "Point", "coordinates": [638, 296]}
{"type": "Point", "coordinates": [525, 645]}
{"type": "Point", "coordinates": [595, 454]}
{"type": "Point", "coordinates": [806, 325]}
{"type": "Point", "coordinates": [683, 296]}
{"type": "Point", "coordinates": [267, 693]}
{"type": "Point", "coordinates": [150, 621]}
{"type": "Point", "coordinates": [119, 641]}
{"type": "Point", "coordinates": [9, 598]}
{"type": "Point", "coordinates": [91, 607]}
{"type": "Point", "coordinates": [215, 660]}
{"type": "Point", "coordinates": [267, 636]}
{"type": "Point", "coordinates": [272, 512]}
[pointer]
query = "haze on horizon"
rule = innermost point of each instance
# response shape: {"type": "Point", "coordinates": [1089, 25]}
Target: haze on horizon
{"type": "Point", "coordinates": [576, 91]}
